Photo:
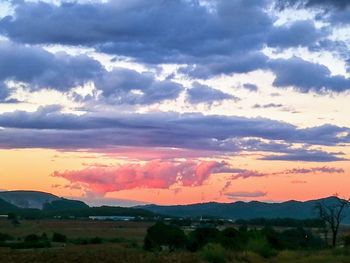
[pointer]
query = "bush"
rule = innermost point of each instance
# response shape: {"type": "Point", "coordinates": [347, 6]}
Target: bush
{"type": "Point", "coordinates": [5, 237]}
{"type": "Point", "coordinates": [261, 246]}
{"type": "Point", "coordinates": [233, 239]}
{"type": "Point", "coordinates": [300, 238]}
{"type": "Point", "coordinates": [214, 253]}
{"type": "Point", "coordinates": [160, 235]}
{"type": "Point", "coordinates": [57, 237]}
{"type": "Point", "coordinates": [32, 238]}
{"type": "Point", "coordinates": [347, 240]}
{"type": "Point", "coordinates": [87, 241]}
{"type": "Point", "coordinates": [202, 236]}
{"type": "Point", "coordinates": [32, 241]}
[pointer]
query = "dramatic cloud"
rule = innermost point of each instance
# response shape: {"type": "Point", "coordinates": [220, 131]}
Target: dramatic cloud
{"type": "Point", "coordinates": [153, 174]}
{"type": "Point", "coordinates": [315, 3]}
{"type": "Point", "coordinates": [42, 69]}
{"type": "Point", "coordinates": [151, 31]}
{"type": "Point", "coordinates": [123, 85]}
{"type": "Point", "coordinates": [220, 38]}
{"type": "Point", "coordinates": [48, 128]}
{"type": "Point", "coordinates": [307, 156]}
{"type": "Point", "coordinates": [333, 11]}
{"type": "Point", "coordinates": [300, 33]}
{"type": "Point", "coordinates": [204, 94]}
{"type": "Point", "coordinates": [5, 94]}
{"type": "Point", "coordinates": [306, 76]}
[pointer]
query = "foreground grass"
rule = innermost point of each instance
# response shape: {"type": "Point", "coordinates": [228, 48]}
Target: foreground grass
{"type": "Point", "coordinates": [123, 253]}
{"type": "Point", "coordinates": [122, 242]}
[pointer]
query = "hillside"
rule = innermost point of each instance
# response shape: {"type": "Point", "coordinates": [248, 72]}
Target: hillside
{"type": "Point", "coordinates": [28, 199]}
{"type": "Point", "coordinates": [32, 204]}
{"type": "Point", "coordinates": [6, 207]}
{"type": "Point", "coordinates": [246, 210]}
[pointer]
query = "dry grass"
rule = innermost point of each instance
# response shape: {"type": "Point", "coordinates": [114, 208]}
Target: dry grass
{"type": "Point", "coordinates": [78, 228]}
{"type": "Point", "coordinates": [126, 252]}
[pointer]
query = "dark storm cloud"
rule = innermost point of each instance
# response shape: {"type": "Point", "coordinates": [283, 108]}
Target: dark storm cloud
{"type": "Point", "coordinates": [49, 128]}
{"type": "Point", "coordinates": [182, 126]}
{"type": "Point", "coordinates": [334, 11]}
{"type": "Point", "coordinates": [307, 156]}
{"type": "Point", "coordinates": [5, 94]}
{"type": "Point", "coordinates": [218, 65]}
{"type": "Point", "coordinates": [204, 94]}
{"type": "Point", "coordinates": [153, 31]}
{"type": "Point", "coordinates": [225, 38]}
{"type": "Point", "coordinates": [306, 76]}
{"type": "Point", "coordinates": [300, 33]}
{"type": "Point", "coordinates": [127, 86]}
{"type": "Point", "coordinates": [42, 69]}
{"type": "Point", "coordinates": [341, 4]}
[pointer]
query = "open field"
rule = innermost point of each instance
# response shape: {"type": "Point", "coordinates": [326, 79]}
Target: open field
{"type": "Point", "coordinates": [127, 246]}
{"type": "Point", "coordinates": [122, 253]}
{"type": "Point", "coordinates": [133, 231]}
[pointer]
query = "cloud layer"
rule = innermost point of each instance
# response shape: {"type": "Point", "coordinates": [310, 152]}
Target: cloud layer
{"type": "Point", "coordinates": [154, 174]}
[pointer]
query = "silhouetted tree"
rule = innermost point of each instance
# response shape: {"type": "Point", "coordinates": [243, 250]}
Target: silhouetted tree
{"type": "Point", "coordinates": [161, 234]}
{"type": "Point", "coordinates": [332, 214]}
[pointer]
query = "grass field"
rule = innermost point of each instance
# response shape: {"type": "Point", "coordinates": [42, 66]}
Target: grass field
{"type": "Point", "coordinates": [129, 246]}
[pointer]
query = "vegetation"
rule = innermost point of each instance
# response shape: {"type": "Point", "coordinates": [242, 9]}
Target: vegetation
{"type": "Point", "coordinates": [108, 241]}
{"type": "Point", "coordinates": [332, 215]}
{"type": "Point", "coordinates": [64, 204]}
{"type": "Point", "coordinates": [161, 235]}
{"type": "Point", "coordinates": [282, 222]}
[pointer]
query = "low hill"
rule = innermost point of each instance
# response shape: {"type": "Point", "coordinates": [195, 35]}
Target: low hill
{"type": "Point", "coordinates": [28, 199]}
{"type": "Point", "coordinates": [32, 204]}
{"type": "Point", "coordinates": [246, 210]}
{"type": "Point", "coordinates": [64, 204]}
{"type": "Point", "coordinates": [6, 207]}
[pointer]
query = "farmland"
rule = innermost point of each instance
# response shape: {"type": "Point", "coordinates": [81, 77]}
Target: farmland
{"type": "Point", "coordinates": [123, 242]}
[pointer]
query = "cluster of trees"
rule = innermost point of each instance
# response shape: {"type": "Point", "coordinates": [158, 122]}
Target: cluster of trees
{"type": "Point", "coordinates": [31, 240]}
{"type": "Point", "coordinates": [282, 222]}
{"type": "Point", "coordinates": [265, 241]}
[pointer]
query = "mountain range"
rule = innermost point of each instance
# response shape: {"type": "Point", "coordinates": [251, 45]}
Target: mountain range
{"type": "Point", "coordinates": [49, 204]}
{"type": "Point", "coordinates": [34, 204]}
{"type": "Point", "coordinates": [247, 210]}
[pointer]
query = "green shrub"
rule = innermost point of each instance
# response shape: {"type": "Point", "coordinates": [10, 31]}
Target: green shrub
{"type": "Point", "coordinates": [5, 237]}
{"type": "Point", "coordinates": [32, 241]}
{"type": "Point", "coordinates": [202, 236]}
{"type": "Point", "coordinates": [347, 240]}
{"type": "Point", "coordinates": [213, 253]}
{"type": "Point", "coordinates": [57, 237]}
{"type": "Point", "coordinates": [261, 246]}
{"type": "Point", "coordinates": [233, 239]}
{"type": "Point", "coordinates": [162, 235]}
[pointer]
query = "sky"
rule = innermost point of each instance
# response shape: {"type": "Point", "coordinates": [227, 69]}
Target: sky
{"type": "Point", "coordinates": [175, 101]}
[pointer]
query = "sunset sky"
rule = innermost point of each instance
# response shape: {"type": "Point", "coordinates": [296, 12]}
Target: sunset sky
{"type": "Point", "coordinates": [175, 101]}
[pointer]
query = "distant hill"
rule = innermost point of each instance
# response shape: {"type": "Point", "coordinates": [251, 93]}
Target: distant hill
{"type": "Point", "coordinates": [33, 204]}
{"type": "Point", "coordinates": [6, 207]}
{"type": "Point", "coordinates": [64, 204]}
{"type": "Point", "coordinates": [28, 199]}
{"type": "Point", "coordinates": [246, 210]}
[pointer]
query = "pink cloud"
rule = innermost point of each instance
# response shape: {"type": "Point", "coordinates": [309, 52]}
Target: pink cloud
{"type": "Point", "coordinates": [153, 174]}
